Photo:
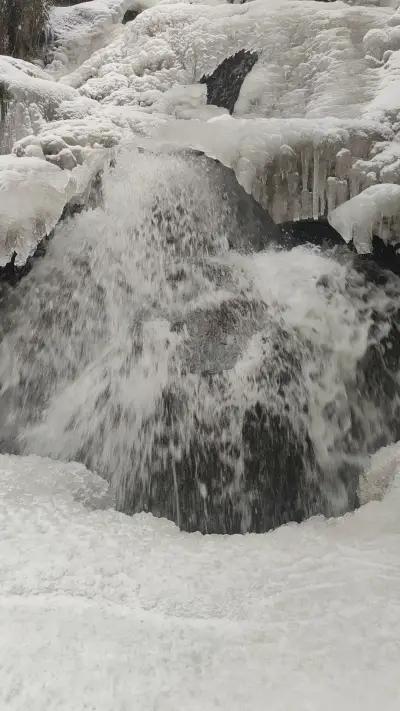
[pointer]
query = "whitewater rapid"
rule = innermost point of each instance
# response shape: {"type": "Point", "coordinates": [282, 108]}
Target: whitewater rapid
{"type": "Point", "coordinates": [210, 383]}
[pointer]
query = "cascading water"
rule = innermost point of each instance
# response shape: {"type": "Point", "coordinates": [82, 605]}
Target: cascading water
{"type": "Point", "coordinates": [227, 390]}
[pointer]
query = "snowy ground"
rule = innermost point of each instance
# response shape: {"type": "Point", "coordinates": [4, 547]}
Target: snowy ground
{"type": "Point", "coordinates": [102, 611]}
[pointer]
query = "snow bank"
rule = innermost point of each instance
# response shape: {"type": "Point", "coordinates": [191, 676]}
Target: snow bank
{"type": "Point", "coordinates": [105, 611]}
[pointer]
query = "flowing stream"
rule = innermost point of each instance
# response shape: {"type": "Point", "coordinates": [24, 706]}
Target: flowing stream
{"type": "Point", "coordinates": [226, 387]}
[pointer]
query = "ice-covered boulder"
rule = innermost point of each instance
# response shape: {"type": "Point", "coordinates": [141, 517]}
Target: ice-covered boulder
{"type": "Point", "coordinates": [33, 194]}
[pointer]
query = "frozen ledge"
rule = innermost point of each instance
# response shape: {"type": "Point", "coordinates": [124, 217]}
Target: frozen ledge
{"type": "Point", "coordinates": [376, 211]}
{"type": "Point", "coordinates": [301, 169]}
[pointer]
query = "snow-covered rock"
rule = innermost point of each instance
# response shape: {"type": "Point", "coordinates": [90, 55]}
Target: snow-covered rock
{"type": "Point", "coordinates": [82, 28]}
{"type": "Point", "coordinates": [376, 211]}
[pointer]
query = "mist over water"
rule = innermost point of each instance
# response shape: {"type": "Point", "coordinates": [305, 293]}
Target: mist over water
{"type": "Point", "coordinates": [215, 386]}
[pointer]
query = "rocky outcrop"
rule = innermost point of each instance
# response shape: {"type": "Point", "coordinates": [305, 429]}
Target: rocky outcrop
{"type": "Point", "coordinates": [224, 84]}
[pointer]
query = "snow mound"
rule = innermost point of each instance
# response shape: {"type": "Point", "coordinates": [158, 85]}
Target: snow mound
{"type": "Point", "coordinates": [106, 611]}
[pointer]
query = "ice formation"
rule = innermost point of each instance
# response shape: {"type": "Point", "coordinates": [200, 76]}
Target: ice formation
{"type": "Point", "coordinates": [316, 118]}
{"type": "Point", "coordinates": [375, 211]}
{"type": "Point", "coordinates": [32, 197]}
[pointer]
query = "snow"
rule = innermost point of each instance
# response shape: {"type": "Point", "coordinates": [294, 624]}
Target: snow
{"type": "Point", "coordinates": [376, 211]}
{"type": "Point", "coordinates": [315, 122]}
{"type": "Point", "coordinates": [83, 28]}
{"type": "Point", "coordinates": [103, 611]}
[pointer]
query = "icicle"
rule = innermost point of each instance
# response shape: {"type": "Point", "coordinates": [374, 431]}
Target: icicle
{"type": "Point", "coordinates": [315, 194]}
{"type": "Point", "coordinates": [306, 204]}
{"type": "Point", "coordinates": [36, 118]}
{"type": "Point", "coordinates": [344, 161]}
{"type": "Point", "coordinates": [331, 193]}
{"type": "Point", "coordinates": [293, 183]}
{"type": "Point", "coordinates": [279, 200]}
{"type": "Point", "coordinates": [305, 167]}
{"type": "Point", "coordinates": [342, 191]}
{"type": "Point", "coordinates": [323, 173]}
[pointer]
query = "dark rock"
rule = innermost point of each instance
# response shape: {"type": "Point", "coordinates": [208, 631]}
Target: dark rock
{"type": "Point", "coordinates": [386, 255]}
{"type": "Point", "coordinates": [130, 15]}
{"type": "Point", "coordinates": [246, 225]}
{"type": "Point", "coordinates": [254, 228]}
{"type": "Point", "coordinates": [318, 232]}
{"type": "Point", "coordinates": [217, 336]}
{"type": "Point", "coordinates": [239, 465]}
{"type": "Point", "coordinates": [224, 84]}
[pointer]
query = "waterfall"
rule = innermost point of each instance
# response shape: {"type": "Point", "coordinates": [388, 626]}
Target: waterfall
{"type": "Point", "coordinates": [227, 387]}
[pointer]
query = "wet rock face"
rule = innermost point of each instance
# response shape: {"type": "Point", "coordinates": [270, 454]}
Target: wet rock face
{"type": "Point", "coordinates": [386, 255]}
{"type": "Point", "coordinates": [377, 379]}
{"type": "Point", "coordinates": [200, 492]}
{"type": "Point", "coordinates": [217, 336]}
{"type": "Point", "coordinates": [254, 229]}
{"type": "Point", "coordinates": [318, 232]}
{"type": "Point", "coordinates": [224, 84]}
{"type": "Point", "coordinates": [226, 464]}
{"type": "Point", "coordinates": [322, 234]}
